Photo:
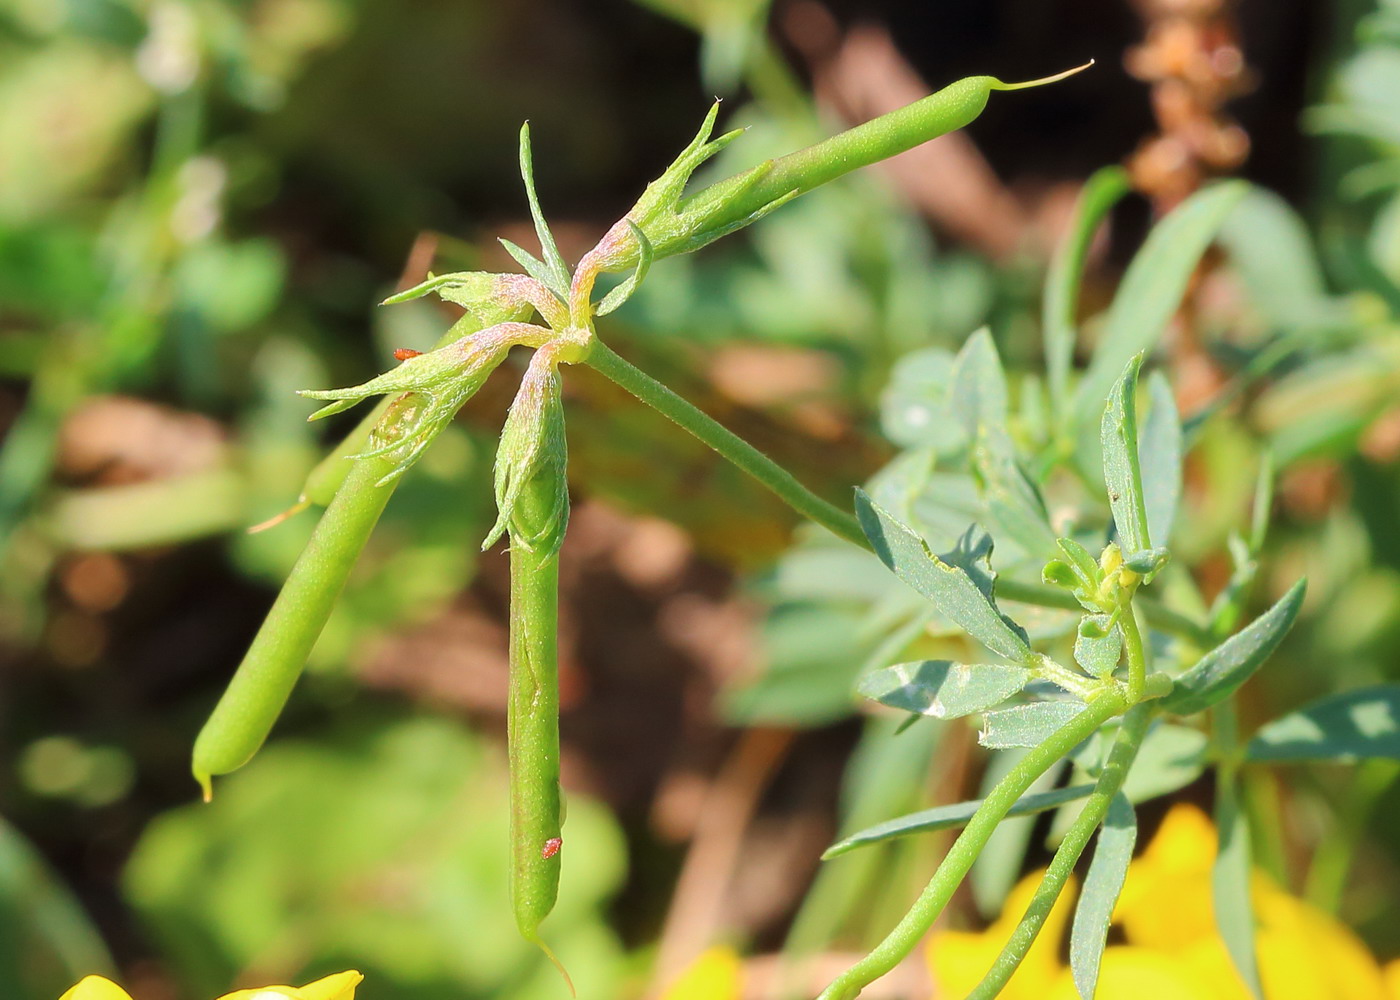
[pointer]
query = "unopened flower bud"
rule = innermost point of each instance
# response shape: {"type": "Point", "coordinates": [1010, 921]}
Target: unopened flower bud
{"type": "Point", "coordinates": [532, 488]}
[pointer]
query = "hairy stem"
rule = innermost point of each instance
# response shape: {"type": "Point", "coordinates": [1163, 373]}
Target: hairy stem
{"type": "Point", "coordinates": [1120, 759]}
{"type": "Point", "coordinates": [926, 909]}
{"type": "Point", "coordinates": [1137, 657]}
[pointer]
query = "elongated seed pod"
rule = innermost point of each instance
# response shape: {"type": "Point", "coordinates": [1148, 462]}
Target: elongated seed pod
{"type": "Point", "coordinates": [533, 719]}
{"type": "Point", "coordinates": [255, 697]}
{"type": "Point", "coordinates": [673, 223]}
{"type": "Point", "coordinates": [532, 493]}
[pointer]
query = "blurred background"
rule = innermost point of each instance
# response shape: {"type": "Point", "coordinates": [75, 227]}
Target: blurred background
{"type": "Point", "coordinates": [201, 204]}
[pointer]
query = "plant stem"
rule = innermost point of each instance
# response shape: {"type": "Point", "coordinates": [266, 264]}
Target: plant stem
{"type": "Point", "coordinates": [1137, 658]}
{"type": "Point", "coordinates": [907, 933]}
{"type": "Point", "coordinates": [728, 444]}
{"type": "Point", "coordinates": [748, 458]}
{"type": "Point", "coordinates": [1111, 779]}
{"type": "Point", "coordinates": [1230, 875]}
{"type": "Point", "coordinates": [1157, 615]}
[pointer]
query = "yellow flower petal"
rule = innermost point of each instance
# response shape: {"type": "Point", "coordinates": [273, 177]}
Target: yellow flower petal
{"type": "Point", "coordinates": [959, 959]}
{"type": "Point", "coordinates": [716, 975]}
{"type": "Point", "coordinates": [1392, 979]}
{"type": "Point", "coordinates": [1166, 901]}
{"type": "Point", "coordinates": [340, 986]}
{"type": "Point", "coordinates": [1130, 973]}
{"type": "Point", "coordinates": [1208, 963]}
{"type": "Point", "coordinates": [96, 988]}
{"type": "Point", "coordinates": [1175, 951]}
{"type": "Point", "coordinates": [1305, 952]}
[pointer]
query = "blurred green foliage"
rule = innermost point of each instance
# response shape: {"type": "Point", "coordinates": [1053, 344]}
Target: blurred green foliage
{"type": "Point", "coordinates": [201, 200]}
{"type": "Point", "coordinates": [383, 850]}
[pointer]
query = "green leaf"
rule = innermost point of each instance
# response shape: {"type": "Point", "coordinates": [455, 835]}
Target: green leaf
{"type": "Point", "coordinates": [1027, 725]}
{"type": "Point", "coordinates": [914, 410]}
{"type": "Point", "coordinates": [1121, 471]}
{"type": "Point", "coordinates": [1220, 672]}
{"type": "Point", "coordinates": [1059, 317]}
{"type": "Point", "coordinates": [1344, 727]}
{"type": "Point", "coordinates": [978, 399]}
{"type": "Point", "coordinates": [978, 394]}
{"type": "Point", "coordinates": [1171, 758]}
{"type": "Point", "coordinates": [549, 251]}
{"type": "Point", "coordinates": [1148, 561]}
{"type": "Point", "coordinates": [1084, 566]}
{"type": "Point", "coordinates": [1059, 574]}
{"type": "Point", "coordinates": [942, 689]}
{"type": "Point", "coordinates": [960, 587]}
{"type": "Point", "coordinates": [1102, 886]}
{"type": "Point", "coordinates": [536, 269]}
{"type": "Point", "coordinates": [1098, 651]}
{"type": "Point", "coordinates": [1263, 504]}
{"type": "Point", "coordinates": [1159, 455]}
{"type": "Point", "coordinates": [1269, 246]}
{"type": "Point", "coordinates": [1151, 290]}
{"type": "Point", "coordinates": [948, 817]}
{"type": "Point", "coordinates": [47, 940]}
{"type": "Point", "coordinates": [1229, 882]}
{"type": "Point", "coordinates": [1014, 506]}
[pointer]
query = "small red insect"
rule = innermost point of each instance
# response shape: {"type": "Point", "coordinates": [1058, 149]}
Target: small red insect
{"type": "Point", "coordinates": [551, 847]}
{"type": "Point", "coordinates": [404, 353]}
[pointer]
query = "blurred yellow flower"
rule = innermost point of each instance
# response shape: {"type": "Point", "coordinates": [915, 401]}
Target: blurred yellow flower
{"type": "Point", "coordinates": [1173, 951]}
{"type": "Point", "coordinates": [96, 988]}
{"type": "Point", "coordinates": [340, 986]}
{"type": "Point", "coordinates": [716, 975]}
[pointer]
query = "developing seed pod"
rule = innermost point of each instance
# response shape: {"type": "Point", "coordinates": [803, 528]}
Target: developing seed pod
{"type": "Point", "coordinates": [255, 697]}
{"type": "Point", "coordinates": [675, 224]}
{"type": "Point", "coordinates": [532, 493]}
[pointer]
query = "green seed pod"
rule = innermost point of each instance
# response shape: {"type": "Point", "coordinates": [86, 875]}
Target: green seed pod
{"type": "Point", "coordinates": [255, 697]}
{"type": "Point", "coordinates": [674, 224]}
{"type": "Point", "coordinates": [533, 498]}
{"type": "Point", "coordinates": [536, 807]}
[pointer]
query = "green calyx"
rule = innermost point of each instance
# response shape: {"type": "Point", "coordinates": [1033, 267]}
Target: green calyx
{"type": "Point", "coordinates": [433, 387]}
{"type": "Point", "coordinates": [532, 487]}
{"type": "Point", "coordinates": [673, 226]}
{"type": "Point", "coordinates": [491, 298]}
